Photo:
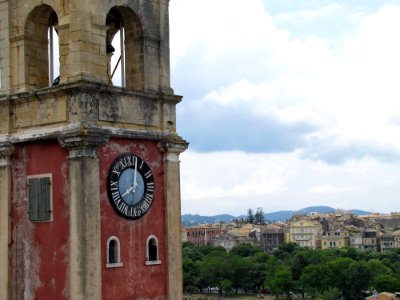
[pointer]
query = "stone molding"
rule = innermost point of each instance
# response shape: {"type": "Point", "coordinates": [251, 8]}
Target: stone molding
{"type": "Point", "coordinates": [83, 140]}
{"type": "Point", "coordinates": [6, 149]}
{"type": "Point", "coordinates": [173, 144]}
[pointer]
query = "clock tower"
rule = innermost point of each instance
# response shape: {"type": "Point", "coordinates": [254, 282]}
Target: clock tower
{"type": "Point", "coordinates": [89, 154]}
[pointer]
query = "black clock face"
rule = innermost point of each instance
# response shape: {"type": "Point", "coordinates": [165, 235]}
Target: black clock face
{"type": "Point", "coordinates": [130, 186]}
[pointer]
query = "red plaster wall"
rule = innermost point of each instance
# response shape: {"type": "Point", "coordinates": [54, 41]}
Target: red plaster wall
{"type": "Point", "coordinates": [134, 280]}
{"type": "Point", "coordinates": [39, 250]}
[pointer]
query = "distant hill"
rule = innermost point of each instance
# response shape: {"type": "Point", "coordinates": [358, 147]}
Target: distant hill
{"type": "Point", "coordinates": [282, 216]}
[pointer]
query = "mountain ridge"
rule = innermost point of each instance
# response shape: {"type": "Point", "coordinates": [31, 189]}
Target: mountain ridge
{"type": "Point", "coordinates": [278, 216]}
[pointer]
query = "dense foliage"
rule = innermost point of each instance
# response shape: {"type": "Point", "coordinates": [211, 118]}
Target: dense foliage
{"type": "Point", "coordinates": [323, 274]}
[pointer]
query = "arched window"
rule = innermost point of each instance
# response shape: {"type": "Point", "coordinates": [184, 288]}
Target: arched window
{"type": "Point", "coordinates": [152, 257]}
{"type": "Point", "coordinates": [115, 48]}
{"type": "Point", "coordinates": [124, 47]}
{"type": "Point", "coordinates": [54, 51]}
{"type": "Point", "coordinates": [113, 253]}
{"type": "Point", "coordinates": [41, 48]}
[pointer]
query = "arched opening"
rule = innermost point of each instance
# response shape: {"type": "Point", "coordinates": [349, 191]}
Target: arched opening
{"type": "Point", "coordinates": [152, 251]}
{"type": "Point", "coordinates": [41, 48]}
{"type": "Point", "coordinates": [113, 253]}
{"type": "Point", "coordinates": [54, 51]}
{"type": "Point", "coordinates": [124, 48]}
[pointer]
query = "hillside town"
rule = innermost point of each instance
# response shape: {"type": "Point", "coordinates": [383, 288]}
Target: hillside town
{"type": "Point", "coordinates": [374, 232]}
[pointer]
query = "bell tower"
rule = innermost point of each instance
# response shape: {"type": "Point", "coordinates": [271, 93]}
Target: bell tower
{"type": "Point", "coordinates": [89, 154]}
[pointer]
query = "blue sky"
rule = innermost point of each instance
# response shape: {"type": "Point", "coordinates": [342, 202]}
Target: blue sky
{"type": "Point", "coordinates": [287, 103]}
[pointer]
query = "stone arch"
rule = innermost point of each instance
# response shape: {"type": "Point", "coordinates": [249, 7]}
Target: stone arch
{"type": "Point", "coordinates": [123, 19]}
{"type": "Point", "coordinates": [152, 250]}
{"type": "Point", "coordinates": [113, 253]}
{"type": "Point", "coordinates": [36, 45]}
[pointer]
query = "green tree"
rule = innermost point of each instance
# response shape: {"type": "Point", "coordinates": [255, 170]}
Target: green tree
{"type": "Point", "coordinates": [377, 268]}
{"type": "Point", "coordinates": [250, 216]}
{"type": "Point", "coordinates": [285, 251]}
{"type": "Point", "coordinates": [271, 267]}
{"type": "Point", "coordinates": [330, 294]}
{"type": "Point", "coordinates": [245, 250]}
{"type": "Point", "coordinates": [226, 286]}
{"type": "Point", "coordinates": [314, 278]}
{"type": "Point", "coordinates": [282, 282]}
{"type": "Point", "coordinates": [338, 271]}
{"type": "Point", "coordinates": [358, 280]}
{"type": "Point", "coordinates": [191, 274]}
{"type": "Point", "coordinates": [207, 249]}
{"type": "Point", "coordinates": [387, 283]}
{"type": "Point", "coordinates": [213, 269]}
{"type": "Point", "coordinates": [191, 252]}
{"type": "Point", "coordinates": [238, 268]}
{"type": "Point", "coordinates": [256, 275]}
{"type": "Point", "coordinates": [259, 217]}
{"type": "Point", "coordinates": [261, 257]}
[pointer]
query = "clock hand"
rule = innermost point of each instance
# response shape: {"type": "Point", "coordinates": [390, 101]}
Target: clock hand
{"type": "Point", "coordinates": [134, 179]}
{"type": "Point", "coordinates": [127, 191]}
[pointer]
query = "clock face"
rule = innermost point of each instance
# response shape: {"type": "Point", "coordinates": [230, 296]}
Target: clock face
{"type": "Point", "coordinates": [130, 186]}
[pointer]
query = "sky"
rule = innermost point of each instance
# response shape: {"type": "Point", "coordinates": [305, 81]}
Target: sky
{"type": "Point", "coordinates": [287, 104]}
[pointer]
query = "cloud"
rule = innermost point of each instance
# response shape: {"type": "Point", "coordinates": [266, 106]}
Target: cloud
{"type": "Point", "coordinates": [252, 86]}
{"type": "Point", "coordinates": [233, 181]}
{"type": "Point", "coordinates": [215, 127]}
{"type": "Point", "coordinates": [327, 189]}
{"type": "Point", "coordinates": [229, 181]}
{"type": "Point", "coordinates": [287, 117]}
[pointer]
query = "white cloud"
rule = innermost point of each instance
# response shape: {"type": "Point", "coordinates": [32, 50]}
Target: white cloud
{"type": "Point", "coordinates": [327, 189]}
{"type": "Point", "coordinates": [237, 69]}
{"type": "Point", "coordinates": [232, 182]}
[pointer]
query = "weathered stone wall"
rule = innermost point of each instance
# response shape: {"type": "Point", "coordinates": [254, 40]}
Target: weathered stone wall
{"type": "Point", "coordinates": [82, 34]}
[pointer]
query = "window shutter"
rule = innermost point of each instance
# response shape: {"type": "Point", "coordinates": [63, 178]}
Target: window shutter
{"type": "Point", "coordinates": [44, 205]}
{"type": "Point", "coordinates": [39, 199]}
{"type": "Point", "coordinates": [33, 198]}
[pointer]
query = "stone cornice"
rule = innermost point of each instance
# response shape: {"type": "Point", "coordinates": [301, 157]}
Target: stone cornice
{"type": "Point", "coordinates": [173, 144]}
{"type": "Point", "coordinates": [86, 86]}
{"type": "Point", "coordinates": [6, 149]}
{"type": "Point", "coordinates": [54, 133]}
{"type": "Point", "coordinates": [83, 140]}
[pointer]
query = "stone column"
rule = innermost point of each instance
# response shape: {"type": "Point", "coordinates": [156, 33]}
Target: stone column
{"type": "Point", "coordinates": [172, 148]}
{"type": "Point", "coordinates": [6, 150]}
{"type": "Point", "coordinates": [84, 216]}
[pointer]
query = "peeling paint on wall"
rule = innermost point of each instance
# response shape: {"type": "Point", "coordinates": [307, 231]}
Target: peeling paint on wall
{"type": "Point", "coordinates": [39, 251]}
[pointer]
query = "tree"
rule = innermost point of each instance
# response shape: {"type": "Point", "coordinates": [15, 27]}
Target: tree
{"type": "Point", "coordinates": [349, 276]}
{"type": "Point", "coordinates": [250, 216]}
{"type": "Point", "coordinates": [271, 267]}
{"type": "Point", "coordinates": [236, 265]}
{"type": "Point", "coordinates": [282, 282]}
{"type": "Point", "coordinates": [207, 249]}
{"type": "Point", "coordinates": [259, 217]}
{"type": "Point", "coordinates": [191, 252]}
{"type": "Point", "coordinates": [285, 251]}
{"type": "Point", "coordinates": [245, 250]}
{"type": "Point", "coordinates": [213, 269]}
{"type": "Point", "coordinates": [191, 276]}
{"type": "Point", "coordinates": [314, 278]}
{"type": "Point", "coordinates": [226, 285]}
{"type": "Point", "coordinates": [358, 280]}
{"type": "Point", "coordinates": [330, 294]}
{"type": "Point", "coordinates": [387, 283]}
{"type": "Point", "coordinates": [256, 274]}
